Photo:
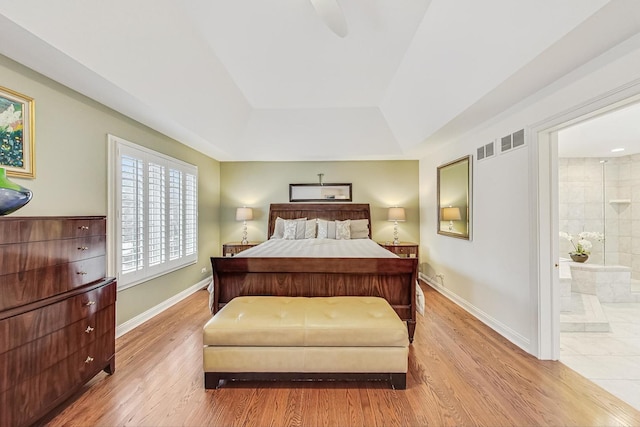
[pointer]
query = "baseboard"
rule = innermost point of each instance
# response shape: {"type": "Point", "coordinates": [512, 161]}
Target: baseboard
{"type": "Point", "coordinates": [494, 324]}
{"type": "Point", "coordinates": [154, 311]}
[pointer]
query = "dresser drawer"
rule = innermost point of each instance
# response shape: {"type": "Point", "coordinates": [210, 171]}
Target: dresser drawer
{"type": "Point", "coordinates": [30, 256]}
{"type": "Point", "coordinates": [34, 285]}
{"type": "Point", "coordinates": [29, 360]}
{"type": "Point", "coordinates": [29, 400]}
{"type": "Point", "coordinates": [25, 229]}
{"type": "Point", "coordinates": [24, 328]}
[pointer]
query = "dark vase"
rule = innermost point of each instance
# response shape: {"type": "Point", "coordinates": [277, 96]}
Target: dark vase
{"type": "Point", "coordinates": [12, 195]}
{"type": "Point", "coordinates": [579, 257]}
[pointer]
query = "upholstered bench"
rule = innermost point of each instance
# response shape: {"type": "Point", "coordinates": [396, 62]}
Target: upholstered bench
{"type": "Point", "coordinates": [300, 338]}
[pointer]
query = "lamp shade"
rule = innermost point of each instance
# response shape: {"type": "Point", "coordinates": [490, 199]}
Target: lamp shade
{"type": "Point", "coordinates": [396, 214]}
{"type": "Point", "coordinates": [244, 214]}
{"type": "Point", "coordinates": [451, 214]}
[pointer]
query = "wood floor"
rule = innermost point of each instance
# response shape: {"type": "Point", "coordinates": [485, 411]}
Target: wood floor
{"type": "Point", "coordinates": [460, 373]}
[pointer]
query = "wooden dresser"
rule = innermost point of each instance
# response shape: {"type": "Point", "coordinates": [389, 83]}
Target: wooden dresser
{"type": "Point", "coordinates": [57, 312]}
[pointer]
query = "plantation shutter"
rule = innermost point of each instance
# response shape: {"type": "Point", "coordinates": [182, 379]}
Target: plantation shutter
{"type": "Point", "coordinates": [157, 213]}
{"type": "Point", "coordinates": [132, 214]}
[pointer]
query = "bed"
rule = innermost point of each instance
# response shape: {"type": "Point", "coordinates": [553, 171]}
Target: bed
{"type": "Point", "coordinates": [385, 275]}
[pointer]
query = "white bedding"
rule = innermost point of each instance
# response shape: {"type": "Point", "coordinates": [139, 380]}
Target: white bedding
{"type": "Point", "coordinates": [318, 248]}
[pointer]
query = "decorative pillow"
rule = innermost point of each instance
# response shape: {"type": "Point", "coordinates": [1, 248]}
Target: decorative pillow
{"type": "Point", "coordinates": [331, 229]}
{"type": "Point", "coordinates": [359, 228]}
{"type": "Point", "coordinates": [278, 229]}
{"type": "Point", "coordinates": [343, 229]}
{"type": "Point", "coordinates": [310, 229]}
{"type": "Point", "coordinates": [300, 227]}
{"type": "Point", "coordinates": [322, 229]}
{"type": "Point", "coordinates": [290, 226]}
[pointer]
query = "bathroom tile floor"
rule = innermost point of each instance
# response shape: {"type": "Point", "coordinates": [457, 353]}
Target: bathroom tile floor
{"type": "Point", "coordinates": [609, 359]}
{"type": "Point", "coordinates": [586, 315]}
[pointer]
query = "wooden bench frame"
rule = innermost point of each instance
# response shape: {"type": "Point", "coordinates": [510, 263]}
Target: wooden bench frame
{"type": "Point", "coordinates": [213, 380]}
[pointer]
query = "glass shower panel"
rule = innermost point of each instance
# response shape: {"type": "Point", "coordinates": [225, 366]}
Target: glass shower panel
{"type": "Point", "coordinates": [582, 207]}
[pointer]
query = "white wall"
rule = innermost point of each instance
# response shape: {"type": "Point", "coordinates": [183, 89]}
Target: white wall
{"type": "Point", "coordinates": [492, 276]}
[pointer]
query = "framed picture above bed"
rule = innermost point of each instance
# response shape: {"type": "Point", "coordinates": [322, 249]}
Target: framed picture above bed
{"type": "Point", "coordinates": [320, 192]}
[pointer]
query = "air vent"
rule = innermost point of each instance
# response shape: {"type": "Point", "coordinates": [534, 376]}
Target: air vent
{"type": "Point", "coordinates": [489, 150]}
{"type": "Point", "coordinates": [518, 138]}
{"type": "Point", "coordinates": [505, 143]}
{"type": "Point", "coordinates": [514, 140]}
{"type": "Point", "coordinates": [485, 151]}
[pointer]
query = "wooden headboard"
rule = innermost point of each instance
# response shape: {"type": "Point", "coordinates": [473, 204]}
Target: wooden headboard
{"type": "Point", "coordinates": [328, 211]}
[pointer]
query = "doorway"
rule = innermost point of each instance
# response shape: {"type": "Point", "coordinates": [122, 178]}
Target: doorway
{"type": "Point", "coordinates": [547, 275]}
{"type": "Point", "coordinates": [598, 193]}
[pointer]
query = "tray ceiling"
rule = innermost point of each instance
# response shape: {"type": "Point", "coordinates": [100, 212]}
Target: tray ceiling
{"type": "Point", "coordinates": [255, 80]}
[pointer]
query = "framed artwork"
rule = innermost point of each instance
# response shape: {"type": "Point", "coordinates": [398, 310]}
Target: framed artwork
{"type": "Point", "coordinates": [17, 134]}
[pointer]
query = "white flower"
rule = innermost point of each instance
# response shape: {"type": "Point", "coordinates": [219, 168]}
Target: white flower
{"type": "Point", "coordinates": [591, 235]}
{"type": "Point", "coordinates": [9, 117]}
{"type": "Point", "coordinates": [583, 245]}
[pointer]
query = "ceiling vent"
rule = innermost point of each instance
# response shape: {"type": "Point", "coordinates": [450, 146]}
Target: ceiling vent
{"type": "Point", "coordinates": [485, 151]}
{"type": "Point", "coordinates": [514, 140]}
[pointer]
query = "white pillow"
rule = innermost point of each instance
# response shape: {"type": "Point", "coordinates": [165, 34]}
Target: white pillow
{"type": "Point", "coordinates": [326, 229]}
{"type": "Point", "coordinates": [310, 229]}
{"type": "Point", "coordinates": [290, 226]}
{"type": "Point", "coordinates": [359, 228]}
{"type": "Point", "coordinates": [278, 229]}
{"type": "Point", "coordinates": [301, 225]}
{"type": "Point", "coordinates": [331, 230]}
{"type": "Point", "coordinates": [322, 229]}
{"type": "Point", "coordinates": [343, 229]}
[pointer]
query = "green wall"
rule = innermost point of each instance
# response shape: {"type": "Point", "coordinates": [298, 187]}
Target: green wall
{"type": "Point", "coordinates": [380, 183]}
{"type": "Point", "coordinates": [71, 173]}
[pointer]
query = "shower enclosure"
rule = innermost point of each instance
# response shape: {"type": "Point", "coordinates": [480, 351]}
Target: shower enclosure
{"type": "Point", "coordinates": [598, 195]}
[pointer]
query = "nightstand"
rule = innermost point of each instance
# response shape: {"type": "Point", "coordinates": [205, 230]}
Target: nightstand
{"type": "Point", "coordinates": [233, 248]}
{"type": "Point", "coordinates": [403, 249]}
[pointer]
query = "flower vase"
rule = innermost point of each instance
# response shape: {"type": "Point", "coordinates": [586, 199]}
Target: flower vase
{"type": "Point", "coordinates": [579, 257]}
{"type": "Point", "coordinates": [12, 195]}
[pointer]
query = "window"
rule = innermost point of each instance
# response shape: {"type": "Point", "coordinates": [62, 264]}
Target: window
{"type": "Point", "coordinates": [154, 207]}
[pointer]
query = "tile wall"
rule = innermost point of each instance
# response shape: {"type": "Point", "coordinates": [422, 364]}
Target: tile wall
{"type": "Point", "coordinates": [603, 197]}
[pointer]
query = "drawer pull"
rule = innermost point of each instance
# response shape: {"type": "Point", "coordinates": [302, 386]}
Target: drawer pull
{"type": "Point", "coordinates": [90, 303]}
{"type": "Point", "coordinates": [82, 273]}
{"type": "Point", "coordinates": [89, 359]}
{"type": "Point", "coordinates": [89, 329]}
{"type": "Point", "coordinates": [83, 227]}
{"type": "Point", "coordinates": [83, 248]}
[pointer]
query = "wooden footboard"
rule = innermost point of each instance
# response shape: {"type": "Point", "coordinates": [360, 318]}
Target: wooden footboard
{"type": "Point", "coordinates": [393, 279]}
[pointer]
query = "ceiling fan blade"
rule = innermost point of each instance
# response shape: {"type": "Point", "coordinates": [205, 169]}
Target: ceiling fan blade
{"type": "Point", "coordinates": [331, 14]}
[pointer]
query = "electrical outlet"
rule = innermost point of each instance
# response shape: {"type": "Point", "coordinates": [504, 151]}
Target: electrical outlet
{"type": "Point", "coordinates": [204, 270]}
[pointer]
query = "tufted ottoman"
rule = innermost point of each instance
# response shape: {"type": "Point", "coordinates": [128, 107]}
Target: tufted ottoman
{"type": "Point", "coordinates": [295, 338]}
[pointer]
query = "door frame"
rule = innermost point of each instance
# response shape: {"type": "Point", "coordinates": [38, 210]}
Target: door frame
{"type": "Point", "coordinates": [542, 141]}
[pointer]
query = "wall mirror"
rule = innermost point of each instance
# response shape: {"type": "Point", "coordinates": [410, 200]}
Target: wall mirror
{"type": "Point", "coordinates": [319, 192]}
{"type": "Point", "coordinates": [454, 198]}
